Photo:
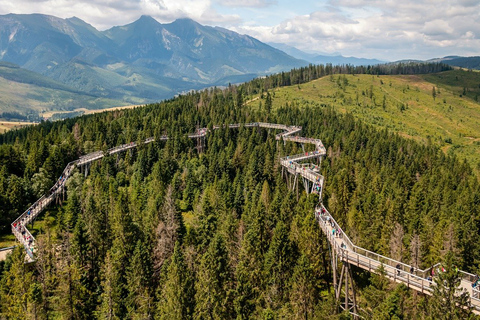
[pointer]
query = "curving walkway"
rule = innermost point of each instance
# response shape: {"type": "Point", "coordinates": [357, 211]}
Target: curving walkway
{"type": "Point", "coordinates": [343, 248]}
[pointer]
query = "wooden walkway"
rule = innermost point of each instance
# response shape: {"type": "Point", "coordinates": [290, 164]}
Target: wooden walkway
{"type": "Point", "coordinates": [294, 165]}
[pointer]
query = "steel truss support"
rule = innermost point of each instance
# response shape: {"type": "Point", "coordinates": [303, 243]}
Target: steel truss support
{"type": "Point", "coordinates": [343, 284]}
{"type": "Point", "coordinates": [200, 144]}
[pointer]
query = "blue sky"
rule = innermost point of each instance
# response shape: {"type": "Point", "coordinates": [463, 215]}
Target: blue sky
{"type": "Point", "coordinates": [382, 29]}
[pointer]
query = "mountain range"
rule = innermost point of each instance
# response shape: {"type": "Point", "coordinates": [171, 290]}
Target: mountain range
{"type": "Point", "coordinates": [324, 58]}
{"type": "Point", "coordinates": [48, 63]}
{"type": "Point", "coordinates": [462, 62]}
{"type": "Point", "coordinates": [140, 62]}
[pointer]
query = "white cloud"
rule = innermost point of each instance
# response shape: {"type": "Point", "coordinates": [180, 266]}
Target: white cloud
{"type": "Point", "coordinates": [104, 14]}
{"type": "Point", "coordinates": [437, 27]}
{"type": "Point", "coordinates": [384, 29]}
{"type": "Point", "coordinates": [247, 3]}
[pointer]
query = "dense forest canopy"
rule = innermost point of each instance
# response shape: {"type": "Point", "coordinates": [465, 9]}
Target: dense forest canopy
{"type": "Point", "coordinates": [167, 232]}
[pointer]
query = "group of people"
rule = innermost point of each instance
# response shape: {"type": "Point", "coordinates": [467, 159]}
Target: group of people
{"type": "Point", "coordinates": [336, 231]}
{"type": "Point", "coordinates": [19, 226]}
{"type": "Point", "coordinates": [60, 182]}
{"type": "Point", "coordinates": [436, 271]}
{"type": "Point", "coordinates": [24, 218]}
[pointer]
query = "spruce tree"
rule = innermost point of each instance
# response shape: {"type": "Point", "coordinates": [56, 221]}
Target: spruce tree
{"type": "Point", "coordinates": [175, 297]}
{"type": "Point", "coordinates": [448, 300]}
{"type": "Point", "coordinates": [212, 286]}
{"type": "Point", "coordinates": [15, 286]}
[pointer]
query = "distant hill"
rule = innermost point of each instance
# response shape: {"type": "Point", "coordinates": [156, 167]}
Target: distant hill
{"type": "Point", "coordinates": [335, 59]}
{"type": "Point", "coordinates": [140, 62]}
{"type": "Point", "coordinates": [24, 94]}
{"type": "Point", "coordinates": [402, 103]}
{"type": "Point", "coordinates": [462, 62]}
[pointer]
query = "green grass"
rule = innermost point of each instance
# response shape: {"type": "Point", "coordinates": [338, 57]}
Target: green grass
{"type": "Point", "coordinates": [7, 240]}
{"type": "Point", "coordinates": [402, 104]}
{"type": "Point", "coordinates": [459, 82]}
{"type": "Point", "coordinates": [45, 218]}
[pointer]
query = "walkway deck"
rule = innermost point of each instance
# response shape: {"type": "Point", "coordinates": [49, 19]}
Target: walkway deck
{"type": "Point", "coordinates": [342, 246]}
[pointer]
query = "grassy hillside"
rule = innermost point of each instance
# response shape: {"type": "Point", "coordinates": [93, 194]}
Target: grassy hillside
{"type": "Point", "coordinates": [8, 125]}
{"type": "Point", "coordinates": [26, 92]}
{"type": "Point", "coordinates": [406, 104]}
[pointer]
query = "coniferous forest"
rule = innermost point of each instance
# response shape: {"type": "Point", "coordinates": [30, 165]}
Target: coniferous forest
{"type": "Point", "coordinates": [167, 232]}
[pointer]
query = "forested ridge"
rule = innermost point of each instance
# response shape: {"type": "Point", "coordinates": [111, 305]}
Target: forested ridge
{"type": "Point", "coordinates": [166, 232]}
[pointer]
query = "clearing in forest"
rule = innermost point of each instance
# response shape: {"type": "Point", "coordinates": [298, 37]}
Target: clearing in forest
{"type": "Point", "coordinates": [440, 109]}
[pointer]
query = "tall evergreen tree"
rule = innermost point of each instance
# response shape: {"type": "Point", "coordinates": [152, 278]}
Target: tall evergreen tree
{"type": "Point", "coordinates": [448, 301]}
{"type": "Point", "coordinates": [176, 295]}
{"type": "Point", "coordinates": [213, 287]}
{"type": "Point", "coordinates": [15, 286]}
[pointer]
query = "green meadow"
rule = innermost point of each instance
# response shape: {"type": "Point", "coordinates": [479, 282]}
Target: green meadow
{"type": "Point", "coordinates": [438, 109]}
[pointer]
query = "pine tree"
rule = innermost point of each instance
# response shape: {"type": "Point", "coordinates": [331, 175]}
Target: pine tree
{"type": "Point", "coordinates": [15, 286]}
{"type": "Point", "coordinates": [46, 265]}
{"type": "Point", "coordinates": [448, 301]}
{"type": "Point", "coordinates": [279, 261]}
{"type": "Point", "coordinates": [212, 286]}
{"type": "Point", "coordinates": [375, 292]}
{"type": "Point", "coordinates": [111, 300]}
{"type": "Point", "coordinates": [175, 299]}
{"type": "Point", "coordinates": [167, 231]}
{"type": "Point", "coordinates": [139, 300]}
{"type": "Point", "coordinates": [303, 295]}
{"type": "Point", "coordinates": [71, 294]}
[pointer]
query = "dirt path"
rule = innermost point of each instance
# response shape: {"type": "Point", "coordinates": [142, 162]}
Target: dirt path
{"type": "Point", "coordinates": [3, 254]}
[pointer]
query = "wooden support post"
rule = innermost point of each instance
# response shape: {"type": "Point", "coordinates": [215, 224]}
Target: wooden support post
{"type": "Point", "coordinates": [354, 300]}
{"type": "Point", "coordinates": [296, 179]}
{"type": "Point", "coordinates": [345, 265]}
{"type": "Point", "coordinates": [334, 269]}
{"type": "Point", "coordinates": [338, 290]}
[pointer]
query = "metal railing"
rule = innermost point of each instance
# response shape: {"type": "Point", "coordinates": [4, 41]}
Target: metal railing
{"type": "Point", "coordinates": [19, 226]}
{"type": "Point", "coordinates": [418, 279]}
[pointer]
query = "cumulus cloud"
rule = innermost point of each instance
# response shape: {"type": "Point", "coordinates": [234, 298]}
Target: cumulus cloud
{"type": "Point", "coordinates": [386, 29]}
{"type": "Point", "coordinates": [104, 14]}
{"type": "Point", "coordinates": [247, 3]}
{"type": "Point", "coordinates": [383, 29]}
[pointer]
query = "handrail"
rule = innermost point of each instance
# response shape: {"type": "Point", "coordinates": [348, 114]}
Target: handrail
{"type": "Point", "coordinates": [29, 215]}
{"type": "Point", "coordinates": [346, 251]}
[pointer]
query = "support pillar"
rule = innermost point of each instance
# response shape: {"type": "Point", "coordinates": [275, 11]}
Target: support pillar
{"type": "Point", "coordinates": [349, 295]}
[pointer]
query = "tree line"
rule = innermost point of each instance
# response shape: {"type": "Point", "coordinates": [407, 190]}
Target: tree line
{"type": "Point", "coordinates": [166, 231]}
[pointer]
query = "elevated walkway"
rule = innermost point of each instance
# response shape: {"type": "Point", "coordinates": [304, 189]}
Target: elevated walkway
{"type": "Point", "coordinates": [395, 270]}
{"type": "Point", "coordinates": [342, 247]}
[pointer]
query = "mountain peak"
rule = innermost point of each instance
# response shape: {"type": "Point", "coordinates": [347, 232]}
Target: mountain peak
{"type": "Point", "coordinates": [185, 22]}
{"type": "Point", "coordinates": [146, 17]}
{"type": "Point", "coordinates": [146, 20]}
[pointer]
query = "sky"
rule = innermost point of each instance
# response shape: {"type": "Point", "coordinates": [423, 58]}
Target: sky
{"type": "Point", "coordinates": [388, 30]}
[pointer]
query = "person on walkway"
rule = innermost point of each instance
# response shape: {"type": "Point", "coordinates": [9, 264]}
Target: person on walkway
{"type": "Point", "coordinates": [398, 269]}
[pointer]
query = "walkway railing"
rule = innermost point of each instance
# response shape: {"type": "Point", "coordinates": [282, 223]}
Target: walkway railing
{"type": "Point", "coordinates": [19, 226]}
{"type": "Point", "coordinates": [340, 243]}
{"type": "Point", "coordinates": [398, 271]}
